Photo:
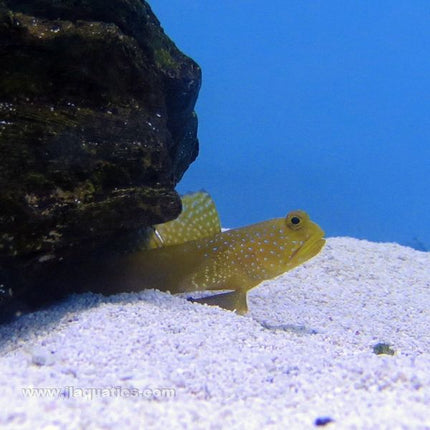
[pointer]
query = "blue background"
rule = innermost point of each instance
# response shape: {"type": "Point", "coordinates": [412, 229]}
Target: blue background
{"type": "Point", "coordinates": [318, 105]}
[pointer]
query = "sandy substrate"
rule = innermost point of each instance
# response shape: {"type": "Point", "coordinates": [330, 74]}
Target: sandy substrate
{"type": "Point", "coordinates": [304, 351]}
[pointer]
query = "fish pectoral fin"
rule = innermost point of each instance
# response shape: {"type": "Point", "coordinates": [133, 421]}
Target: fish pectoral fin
{"type": "Point", "coordinates": [232, 301]}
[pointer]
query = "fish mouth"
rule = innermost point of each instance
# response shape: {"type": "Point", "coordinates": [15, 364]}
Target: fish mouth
{"type": "Point", "coordinates": [313, 245]}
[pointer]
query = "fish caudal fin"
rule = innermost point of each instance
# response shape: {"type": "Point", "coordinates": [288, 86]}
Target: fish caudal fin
{"type": "Point", "coordinates": [232, 301]}
{"type": "Point", "coordinates": [199, 218]}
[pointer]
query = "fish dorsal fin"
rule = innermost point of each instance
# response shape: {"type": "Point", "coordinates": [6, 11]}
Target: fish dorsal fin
{"type": "Point", "coordinates": [199, 218]}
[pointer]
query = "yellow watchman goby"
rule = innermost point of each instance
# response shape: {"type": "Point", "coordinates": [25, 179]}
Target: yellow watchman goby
{"type": "Point", "coordinates": [191, 253]}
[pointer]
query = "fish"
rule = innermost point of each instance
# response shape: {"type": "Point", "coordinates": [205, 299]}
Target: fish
{"type": "Point", "coordinates": [192, 253]}
{"type": "Point", "coordinates": [199, 218]}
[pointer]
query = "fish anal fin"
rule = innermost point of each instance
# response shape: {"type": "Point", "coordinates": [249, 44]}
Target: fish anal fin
{"type": "Point", "coordinates": [232, 301]}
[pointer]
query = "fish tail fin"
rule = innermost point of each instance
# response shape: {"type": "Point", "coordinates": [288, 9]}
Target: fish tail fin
{"type": "Point", "coordinates": [232, 301]}
{"type": "Point", "coordinates": [199, 218]}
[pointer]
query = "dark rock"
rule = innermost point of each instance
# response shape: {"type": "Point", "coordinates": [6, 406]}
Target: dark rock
{"type": "Point", "coordinates": [383, 348]}
{"type": "Point", "coordinates": [323, 421]}
{"type": "Point", "coordinates": [97, 126]}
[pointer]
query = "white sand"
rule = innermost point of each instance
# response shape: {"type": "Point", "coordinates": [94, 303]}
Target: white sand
{"type": "Point", "coordinates": [304, 351]}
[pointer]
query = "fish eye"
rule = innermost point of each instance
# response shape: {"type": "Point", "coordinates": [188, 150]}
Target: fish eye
{"type": "Point", "coordinates": [295, 220]}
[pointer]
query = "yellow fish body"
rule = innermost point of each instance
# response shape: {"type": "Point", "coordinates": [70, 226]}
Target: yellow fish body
{"type": "Point", "coordinates": [181, 259]}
